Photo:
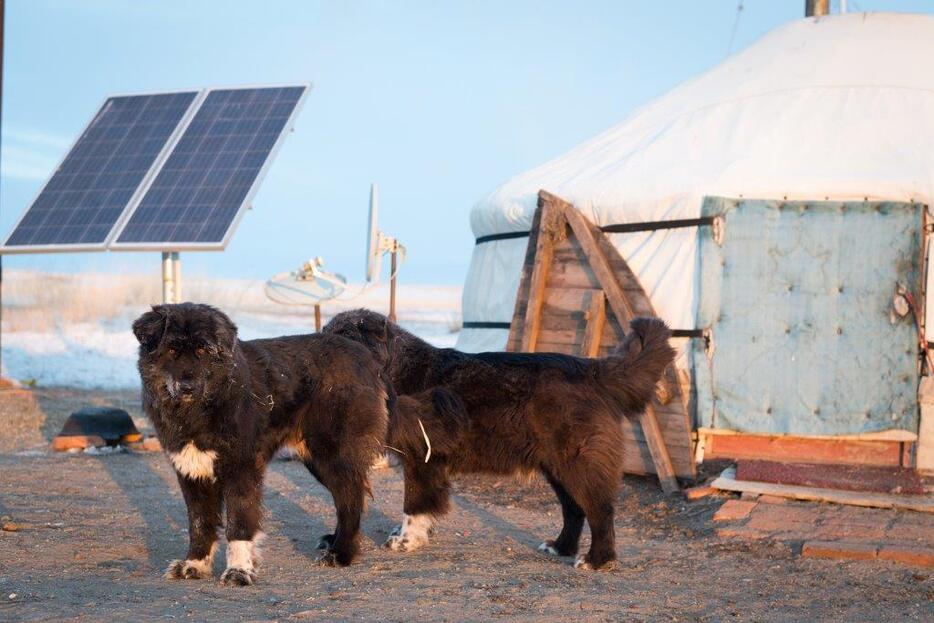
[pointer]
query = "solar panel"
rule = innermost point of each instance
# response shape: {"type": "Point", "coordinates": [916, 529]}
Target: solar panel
{"type": "Point", "coordinates": [86, 195]}
{"type": "Point", "coordinates": [199, 194]}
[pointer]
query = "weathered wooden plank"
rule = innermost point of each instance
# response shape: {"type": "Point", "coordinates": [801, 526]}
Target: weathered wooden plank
{"type": "Point", "coordinates": [596, 320]}
{"type": "Point", "coordinates": [660, 457]}
{"type": "Point", "coordinates": [793, 449]}
{"type": "Point", "coordinates": [921, 503]}
{"type": "Point", "coordinates": [551, 222]}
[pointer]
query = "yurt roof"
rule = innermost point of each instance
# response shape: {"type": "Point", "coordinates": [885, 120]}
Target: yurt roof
{"type": "Point", "coordinates": [839, 106]}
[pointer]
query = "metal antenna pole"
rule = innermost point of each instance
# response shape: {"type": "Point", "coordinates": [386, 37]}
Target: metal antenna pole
{"type": "Point", "coordinates": [392, 283]}
{"type": "Point", "coordinates": [816, 7]}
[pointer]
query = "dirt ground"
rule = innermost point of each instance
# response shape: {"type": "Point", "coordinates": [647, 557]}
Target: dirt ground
{"type": "Point", "coordinates": [95, 533]}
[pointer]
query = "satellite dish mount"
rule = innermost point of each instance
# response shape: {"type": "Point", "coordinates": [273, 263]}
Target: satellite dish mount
{"type": "Point", "coordinates": [377, 244]}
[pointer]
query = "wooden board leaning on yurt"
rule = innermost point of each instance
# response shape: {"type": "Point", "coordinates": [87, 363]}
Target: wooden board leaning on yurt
{"type": "Point", "coordinates": [575, 308]}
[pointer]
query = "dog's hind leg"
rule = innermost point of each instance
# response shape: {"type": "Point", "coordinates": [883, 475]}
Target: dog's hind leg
{"type": "Point", "coordinates": [203, 499]}
{"type": "Point", "coordinates": [594, 490]}
{"type": "Point", "coordinates": [243, 497]}
{"type": "Point", "coordinates": [427, 496]}
{"type": "Point", "coordinates": [348, 485]}
{"type": "Point", "coordinates": [567, 542]}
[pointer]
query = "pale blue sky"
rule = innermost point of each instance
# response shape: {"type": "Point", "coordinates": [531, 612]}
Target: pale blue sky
{"type": "Point", "coordinates": [439, 102]}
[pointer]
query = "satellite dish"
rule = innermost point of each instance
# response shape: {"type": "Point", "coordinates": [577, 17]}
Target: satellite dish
{"type": "Point", "coordinates": [309, 285]}
{"type": "Point", "coordinates": [373, 236]}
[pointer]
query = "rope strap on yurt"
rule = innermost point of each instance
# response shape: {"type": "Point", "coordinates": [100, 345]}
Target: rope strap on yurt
{"type": "Point", "coordinates": [619, 228]}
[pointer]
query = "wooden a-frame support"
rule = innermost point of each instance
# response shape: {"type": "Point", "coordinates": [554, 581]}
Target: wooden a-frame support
{"type": "Point", "coordinates": [571, 268]}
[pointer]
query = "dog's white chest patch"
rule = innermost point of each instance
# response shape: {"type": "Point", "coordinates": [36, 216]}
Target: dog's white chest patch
{"type": "Point", "coordinates": [194, 463]}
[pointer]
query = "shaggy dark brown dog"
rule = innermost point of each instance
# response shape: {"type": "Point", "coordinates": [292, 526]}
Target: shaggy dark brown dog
{"type": "Point", "coordinates": [512, 412]}
{"type": "Point", "coordinates": [222, 407]}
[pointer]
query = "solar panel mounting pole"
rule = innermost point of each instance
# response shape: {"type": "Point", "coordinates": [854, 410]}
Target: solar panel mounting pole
{"type": "Point", "coordinates": [171, 277]}
{"type": "Point", "coordinates": [176, 277]}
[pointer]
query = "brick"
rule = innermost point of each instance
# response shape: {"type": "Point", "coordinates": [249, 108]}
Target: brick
{"type": "Point", "coordinates": [149, 444]}
{"type": "Point", "coordinates": [696, 493]}
{"type": "Point", "coordinates": [842, 550]}
{"type": "Point", "coordinates": [61, 443]}
{"type": "Point", "coordinates": [733, 510]}
{"type": "Point", "coordinates": [748, 495]}
{"type": "Point", "coordinates": [909, 555]}
{"type": "Point", "coordinates": [773, 499]}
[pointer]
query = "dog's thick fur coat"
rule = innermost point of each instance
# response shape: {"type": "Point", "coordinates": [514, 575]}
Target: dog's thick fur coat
{"type": "Point", "coordinates": [513, 412]}
{"type": "Point", "coordinates": [222, 407]}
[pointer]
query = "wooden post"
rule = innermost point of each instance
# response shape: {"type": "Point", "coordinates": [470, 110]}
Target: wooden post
{"type": "Point", "coordinates": [660, 457]}
{"type": "Point", "coordinates": [318, 317]}
{"type": "Point", "coordinates": [392, 285]}
{"type": "Point", "coordinates": [813, 8]}
{"type": "Point", "coordinates": [552, 229]}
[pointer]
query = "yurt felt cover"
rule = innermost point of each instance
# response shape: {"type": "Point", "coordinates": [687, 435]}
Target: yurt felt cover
{"type": "Point", "coordinates": [839, 106]}
{"type": "Point", "coordinates": [798, 298]}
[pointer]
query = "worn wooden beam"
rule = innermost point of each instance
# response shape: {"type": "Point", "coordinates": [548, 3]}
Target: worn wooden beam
{"type": "Point", "coordinates": [552, 228]}
{"type": "Point", "coordinates": [596, 319]}
{"type": "Point", "coordinates": [600, 265]}
{"type": "Point", "coordinates": [656, 442]}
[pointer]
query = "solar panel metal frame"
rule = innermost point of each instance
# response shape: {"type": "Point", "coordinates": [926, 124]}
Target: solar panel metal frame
{"type": "Point", "coordinates": [248, 198]}
{"type": "Point", "coordinates": [156, 166]}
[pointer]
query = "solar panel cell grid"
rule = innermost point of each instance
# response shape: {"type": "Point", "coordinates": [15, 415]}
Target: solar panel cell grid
{"type": "Point", "coordinates": [86, 195]}
{"type": "Point", "coordinates": [204, 183]}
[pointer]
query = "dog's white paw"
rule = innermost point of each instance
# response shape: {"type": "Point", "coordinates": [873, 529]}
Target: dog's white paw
{"type": "Point", "coordinates": [412, 534]}
{"type": "Point", "coordinates": [238, 576]}
{"type": "Point", "coordinates": [548, 548]}
{"type": "Point", "coordinates": [188, 570]}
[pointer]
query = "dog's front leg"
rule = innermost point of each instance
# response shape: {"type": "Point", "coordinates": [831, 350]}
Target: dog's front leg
{"type": "Point", "coordinates": [426, 498]}
{"type": "Point", "coordinates": [243, 498]}
{"type": "Point", "coordinates": [203, 499]}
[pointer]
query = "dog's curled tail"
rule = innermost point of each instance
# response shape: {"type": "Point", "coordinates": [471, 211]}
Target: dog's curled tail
{"type": "Point", "coordinates": [635, 366]}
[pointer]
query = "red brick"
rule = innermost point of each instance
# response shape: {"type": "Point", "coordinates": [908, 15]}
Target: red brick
{"type": "Point", "coordinates": [909, 555]}
{"type": "Point", "coordinates": [696, 493]}
{"type": "Point", "coordinates": [839, 550]}
{"type": "Point", "coordinates": [149, 444]}
{"type": "Point", "coordinates": [61, 443]}
{"type": "Point", "coordinates": [773, 499]}
{"type": "Point", "coordinates": [733, 510]}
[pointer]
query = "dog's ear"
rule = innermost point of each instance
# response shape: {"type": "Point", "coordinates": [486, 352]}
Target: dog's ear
{"type": "Point", "coordinates": [225, 336]}
{"type": "Point", "coordinates": [150, 327]}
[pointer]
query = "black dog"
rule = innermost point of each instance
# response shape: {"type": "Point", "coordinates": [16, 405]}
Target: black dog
{"type": "Point", "coordinates": [513, 412]}
{"type": "Point", "coordinates": [222, 407]}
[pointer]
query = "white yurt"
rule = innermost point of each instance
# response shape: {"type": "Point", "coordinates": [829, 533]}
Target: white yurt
{"type": "Point", "coordinates": [836, 109]}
